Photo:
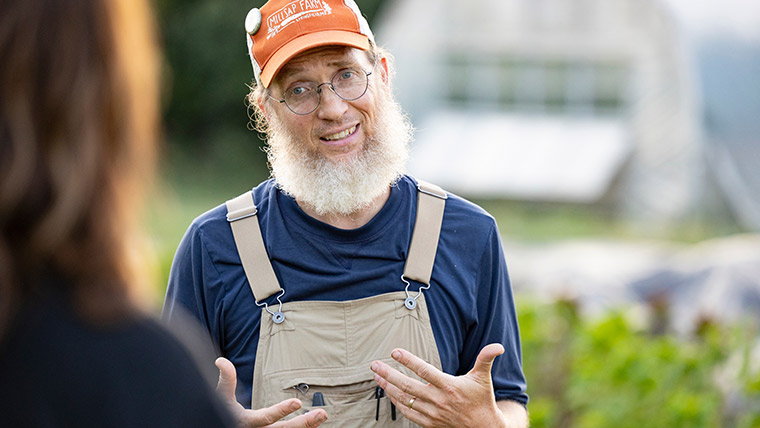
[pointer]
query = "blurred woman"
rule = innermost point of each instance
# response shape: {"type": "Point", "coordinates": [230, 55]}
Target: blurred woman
{"type": "Point", "coordinates": [78, 126]}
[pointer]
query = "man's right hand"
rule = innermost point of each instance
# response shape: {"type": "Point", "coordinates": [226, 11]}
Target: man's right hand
{"type": "Point", "coordinates": [268, 417]}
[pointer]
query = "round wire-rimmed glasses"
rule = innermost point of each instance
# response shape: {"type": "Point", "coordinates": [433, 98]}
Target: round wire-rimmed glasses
{"type": "Point", "coordinates": [303, 98]}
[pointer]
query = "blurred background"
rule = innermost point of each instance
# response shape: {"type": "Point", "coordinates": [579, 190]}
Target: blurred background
{"type": "Point", "coordinates": [617, 143]}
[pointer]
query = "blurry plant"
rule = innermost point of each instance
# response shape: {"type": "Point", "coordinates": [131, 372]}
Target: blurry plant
{"type": "Point", "coordinates": [207, 69]}
{"type": "Point", "coordinates": [604, 373]}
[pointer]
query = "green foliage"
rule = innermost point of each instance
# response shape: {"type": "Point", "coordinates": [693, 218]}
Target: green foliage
{"type": "Point", "coordinates": [207, 68]}
{"type": "Point", "coordinates": [604, 373]}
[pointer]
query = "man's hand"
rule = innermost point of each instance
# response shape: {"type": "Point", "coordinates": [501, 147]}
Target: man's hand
{"type": "Point", "coordinates": [268, 417]}
{"type": "Point", "coordinates": [446, 401]}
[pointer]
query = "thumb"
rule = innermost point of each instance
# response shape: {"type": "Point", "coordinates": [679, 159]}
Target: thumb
{"type": "Point", "coordinates": [227, 378]}
{"type": "Point", "coordinates": [483, 363]}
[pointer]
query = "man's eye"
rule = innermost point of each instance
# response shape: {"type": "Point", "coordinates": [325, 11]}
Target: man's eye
{"type": "Point", "coordinates": [347, 75]}
{"type": "Point", "coordinates": [298, 90]}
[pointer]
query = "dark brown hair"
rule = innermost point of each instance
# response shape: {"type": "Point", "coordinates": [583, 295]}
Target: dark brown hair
{"type": "Point", "coordinates": [78, 126]}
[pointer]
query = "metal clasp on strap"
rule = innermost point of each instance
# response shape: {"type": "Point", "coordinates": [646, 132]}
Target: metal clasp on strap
{"type": "Point", "coordinates": [242, 213]}
{"type": "Point", "coordinates": [411, 302]}
{"type": "Point", "coordinates": [444, 196]}
{"type": "Point", "coordinates": [277, 317]}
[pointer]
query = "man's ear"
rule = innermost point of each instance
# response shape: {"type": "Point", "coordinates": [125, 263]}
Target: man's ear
{"type": "Point", "coordinates": [384, 70]}
{"type": "Point", "coordinates": [263, 107]}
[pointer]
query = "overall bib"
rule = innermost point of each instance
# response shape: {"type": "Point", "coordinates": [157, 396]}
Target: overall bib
{"type": "Point", "coordinates": [320, 351]}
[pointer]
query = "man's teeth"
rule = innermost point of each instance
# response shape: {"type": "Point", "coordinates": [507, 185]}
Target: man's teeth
{"type": "Point", "coordinates": [340, 135]}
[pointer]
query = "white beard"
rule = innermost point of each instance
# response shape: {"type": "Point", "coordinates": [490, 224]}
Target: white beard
{"type": "Point", "coordinates": [350, 185]}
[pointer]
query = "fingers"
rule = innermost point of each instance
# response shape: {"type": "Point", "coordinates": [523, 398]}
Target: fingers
{"type": "Point", "coordinates": [403, 399]}
{"type": "Point", "coordinates": [227, 378]}
{"type": "Point", "coordinates": [446, 400]}
{"type": "Point", "coordinates": [423, 369]}
{"type": "Point", "coordinates": [484, 362]}
{"type": "Point", "coordinates": [401, 389]}
{"type": "Point", "coordinates": [386, 376]}
{"type": "Point", "coordinates": [270, 416]}
{"type": "Point", "coordinates": [416, 411]}
{"type": "Point", "coordinates": [312, 419]}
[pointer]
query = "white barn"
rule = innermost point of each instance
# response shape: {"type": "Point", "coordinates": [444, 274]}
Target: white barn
{"type": "Point", "coordinates": [583, 101]}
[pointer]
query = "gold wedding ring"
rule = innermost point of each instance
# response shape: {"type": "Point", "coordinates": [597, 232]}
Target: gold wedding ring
{"type": "Point", "coordinates": [411, 402]}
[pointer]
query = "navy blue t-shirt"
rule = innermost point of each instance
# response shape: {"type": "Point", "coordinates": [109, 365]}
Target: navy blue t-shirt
{"type": "Point", "coordinates": [470, 299]}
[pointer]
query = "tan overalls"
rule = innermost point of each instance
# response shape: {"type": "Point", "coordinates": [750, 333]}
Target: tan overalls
{"type": "Point", "coordinates": [320, 351]}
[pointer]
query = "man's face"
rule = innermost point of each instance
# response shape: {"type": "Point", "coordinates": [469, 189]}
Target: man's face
{"type": "Point", "coordinates": [337, 129]}
{"type": "Point", "coordinates": [340, 157]}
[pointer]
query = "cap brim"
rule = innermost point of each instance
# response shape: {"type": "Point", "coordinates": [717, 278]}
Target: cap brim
{"type": "Point", "coordinates": [309, 41]}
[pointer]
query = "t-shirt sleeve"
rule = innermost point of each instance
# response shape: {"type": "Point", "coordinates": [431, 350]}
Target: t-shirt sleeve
{"type": "Point", "coordinates": [194, 286]}
{"type": "Point", "coordinates": [497, 323]}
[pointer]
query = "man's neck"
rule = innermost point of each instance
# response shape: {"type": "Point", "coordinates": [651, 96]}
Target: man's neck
{"type": "Point", "coordinates": [354, 220]}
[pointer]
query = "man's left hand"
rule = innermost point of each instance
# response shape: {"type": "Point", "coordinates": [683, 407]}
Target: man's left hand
{"type": "Point", "coordinates": [446, 401]}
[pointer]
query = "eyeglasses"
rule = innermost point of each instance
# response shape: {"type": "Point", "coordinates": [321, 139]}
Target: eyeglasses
{"type": "Point", "coordinates": [303, 98]}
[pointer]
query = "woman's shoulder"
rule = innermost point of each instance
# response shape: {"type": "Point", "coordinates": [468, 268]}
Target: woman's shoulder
{"type": "Point", "coordinates": [133, 372]}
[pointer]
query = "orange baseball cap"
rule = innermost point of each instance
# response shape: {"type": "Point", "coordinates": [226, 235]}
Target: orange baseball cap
{"type": "Point", "coordinates": [282, 29]}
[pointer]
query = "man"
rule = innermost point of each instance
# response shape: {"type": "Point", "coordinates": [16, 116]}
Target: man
{"type": "Point", "coordinates": [384, 301]}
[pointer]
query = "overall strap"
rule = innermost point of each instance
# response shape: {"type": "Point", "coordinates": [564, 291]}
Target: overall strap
{"type": "Point", "coordinates": [241, 213]}
{"type": "Point", "coordinates": [431, 201]}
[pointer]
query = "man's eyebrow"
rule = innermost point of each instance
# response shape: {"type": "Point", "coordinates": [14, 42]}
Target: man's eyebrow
{"type": "Point", "coordinates": [286, 72]}
{"type": "Point", "coordinates": [289, 70]}
{"type": "Point", "coordinates": [344, 63]}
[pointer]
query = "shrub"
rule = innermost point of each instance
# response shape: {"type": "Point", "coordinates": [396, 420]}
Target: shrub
{"type": "Point", "coordinates": [604, 373]}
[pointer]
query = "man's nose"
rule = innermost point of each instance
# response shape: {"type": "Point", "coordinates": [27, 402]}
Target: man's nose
{"type": "Point", "coordinates": [331, 106]}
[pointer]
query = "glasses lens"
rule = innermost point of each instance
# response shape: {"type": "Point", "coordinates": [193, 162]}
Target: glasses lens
{"type": "Point", "coordinates": [302, 98]}
{"type": "Point", "coordinates": [350, 84]}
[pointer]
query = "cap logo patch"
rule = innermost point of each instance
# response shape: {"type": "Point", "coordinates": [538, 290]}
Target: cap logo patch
{"type": "Point", "coordinates": [293, 12]}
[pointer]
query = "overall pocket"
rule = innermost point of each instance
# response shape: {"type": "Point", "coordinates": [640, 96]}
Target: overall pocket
{"type": "Point", "coordinates": [330, 391]}
{"type": "Point", "coordinates": [350, 397]}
